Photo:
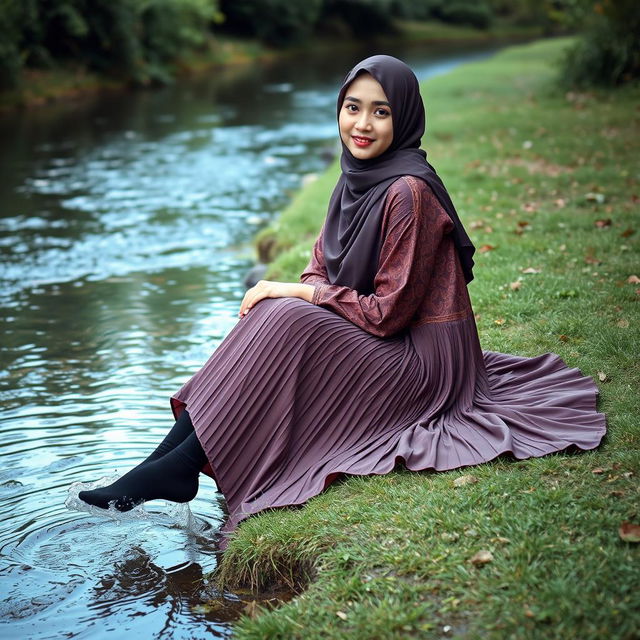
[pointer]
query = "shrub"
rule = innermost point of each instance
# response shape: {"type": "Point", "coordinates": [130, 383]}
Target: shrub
{"type": "Point", "coordinates": [608, 53]}
{"type": "Point", "coordinates": [273, 21]}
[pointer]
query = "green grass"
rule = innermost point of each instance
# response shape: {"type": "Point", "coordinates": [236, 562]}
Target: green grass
{"type": "Point", "coordinates": [550, 181]}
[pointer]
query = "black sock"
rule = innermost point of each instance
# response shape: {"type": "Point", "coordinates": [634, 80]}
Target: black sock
{"type": "Point", "coordinates": [180, 431]}
{"type": "Point", "coordinates": [173, 477]}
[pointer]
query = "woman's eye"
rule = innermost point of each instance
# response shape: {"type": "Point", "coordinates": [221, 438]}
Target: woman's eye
{"type": "Point", "coordinates": [348, 107]}
{"type": "Point", "coordinates": [382, 112]}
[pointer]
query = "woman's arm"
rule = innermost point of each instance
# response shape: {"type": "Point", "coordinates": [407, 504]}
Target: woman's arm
{"type": "Point", "coordinates": [315, 272]}
{"type": "Point", "coordinates": [416, 226]}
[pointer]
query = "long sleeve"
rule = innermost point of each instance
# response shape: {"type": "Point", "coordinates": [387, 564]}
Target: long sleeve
{"type": "Point", "coordinates": [316, 272]}
{"type": "Point", "coordinates": [414, 225]}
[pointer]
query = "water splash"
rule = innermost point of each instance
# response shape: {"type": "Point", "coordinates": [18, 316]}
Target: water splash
{"type": "Point", "coordinates": [176, 514]}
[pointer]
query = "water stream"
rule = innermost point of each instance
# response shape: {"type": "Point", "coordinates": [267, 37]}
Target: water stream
{"type": "Point", "coordinates": [125, 232]}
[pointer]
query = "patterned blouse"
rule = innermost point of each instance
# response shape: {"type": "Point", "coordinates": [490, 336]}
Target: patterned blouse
{"type": "Point", "coordinates": [419, 277]}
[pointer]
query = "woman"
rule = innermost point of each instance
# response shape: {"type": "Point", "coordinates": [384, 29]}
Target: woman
{"type": "Point", "coordinates": [373, 357]}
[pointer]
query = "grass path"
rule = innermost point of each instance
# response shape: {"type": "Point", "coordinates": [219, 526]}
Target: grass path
{"type": "Point", "coordinates": [547, 183]}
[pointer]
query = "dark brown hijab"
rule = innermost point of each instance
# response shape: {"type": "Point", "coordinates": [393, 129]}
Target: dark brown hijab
{"type": "Point", "coordinates": [352, 238]}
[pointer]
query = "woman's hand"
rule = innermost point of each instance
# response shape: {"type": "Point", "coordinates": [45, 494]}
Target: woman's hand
{"type": "Point", "coordinates": [272, 289]}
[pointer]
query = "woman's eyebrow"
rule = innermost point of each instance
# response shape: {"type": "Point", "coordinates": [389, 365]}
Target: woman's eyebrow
{"type": "Point", "coordinates": [377, 102]}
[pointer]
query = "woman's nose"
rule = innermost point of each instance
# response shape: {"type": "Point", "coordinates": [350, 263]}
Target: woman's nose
{"type": "Point", "coordinates": [363, 122]}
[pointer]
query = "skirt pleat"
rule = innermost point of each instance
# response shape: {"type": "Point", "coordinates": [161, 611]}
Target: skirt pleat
{"type": "Point", "coordinates": [296, 396]}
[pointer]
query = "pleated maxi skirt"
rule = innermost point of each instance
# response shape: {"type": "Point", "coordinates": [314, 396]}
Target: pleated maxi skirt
{"type": "Point", "coordinates": [296, 396]}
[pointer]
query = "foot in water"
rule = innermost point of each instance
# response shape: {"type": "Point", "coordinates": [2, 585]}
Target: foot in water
{"type": "Point", "coordinates": [173, 477]}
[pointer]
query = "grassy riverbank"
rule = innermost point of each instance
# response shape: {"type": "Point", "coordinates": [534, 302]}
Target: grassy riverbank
{"type": "Point", "coordinates": [40, 86]}
{"type": "Point", "coordinates": [547, 183]}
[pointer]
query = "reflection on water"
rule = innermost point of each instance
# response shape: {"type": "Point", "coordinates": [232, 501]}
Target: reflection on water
{"type": "Point", "coordinates": [125, 231]}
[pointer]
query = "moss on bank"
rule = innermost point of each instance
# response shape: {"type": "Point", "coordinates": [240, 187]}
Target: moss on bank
{"type": "Point", "coordinates": [547, 184]}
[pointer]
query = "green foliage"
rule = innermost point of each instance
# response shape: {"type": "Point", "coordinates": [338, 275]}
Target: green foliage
{"type": "Point", "coordinates": [134, 39]}
{"type": "Point", "coordinates": [609, 52]}
{"type": "Point", "coordinates": [364, 18]}
{"type": "Point", "coordinates": [475, 14]}
{"type": "Point", "coordinates": [273, 21]}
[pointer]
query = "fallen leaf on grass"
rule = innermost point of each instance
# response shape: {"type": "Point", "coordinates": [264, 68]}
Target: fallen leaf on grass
{"type": "Point", "coordinates": [500, 321]}
{"type": "Point", "coordinates": [598, 470]}
{"type": "Point", "coordinates": [603, 224]}
{"type": "Point", "coordinates": [616, 494]}
{"type": "Point", "coordinates": [476, 224]}
{"type": "Point", "coordinates": [563, 338]}
{"type": "Point", "coordinates": [342, 615]}
{"type": "Point", "coordinates": [623, 324]}
{"type": "Point", "coordinates": [464, 480]}
{"type": "Point", "coordinates": [501, 540]}
{"type": "Point", "coordinates": [602, 376]}
{"type": "Point", "coordinates": [627, 232]}
{"type": "Point", "coordinates": [482, 557]}
{"type": "Point", "coordinates": [591, 259]}
{"type": "Point", "coordinates": [514, 286]}
{"type": "Point", "coordinates": [595, 197]}
{"type": "Point", "coordinates": [629, 532]}
{"type": "Point", "coordinates": [486, 247]}
{"type": "Point", "coordinates": [531, 270]}
{"type": "Point", "coordinates": [633, 280]}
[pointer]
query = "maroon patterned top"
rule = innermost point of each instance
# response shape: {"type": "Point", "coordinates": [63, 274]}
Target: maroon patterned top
{"type": "Point", "coordinates": [419, 277]}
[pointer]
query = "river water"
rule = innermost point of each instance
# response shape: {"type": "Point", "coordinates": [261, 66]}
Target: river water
{"type": "Point", "coordinates": [125, 233]}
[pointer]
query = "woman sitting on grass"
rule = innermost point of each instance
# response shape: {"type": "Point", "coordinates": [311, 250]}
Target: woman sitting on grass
{"type": "Point", "coordinates": [373, 358]}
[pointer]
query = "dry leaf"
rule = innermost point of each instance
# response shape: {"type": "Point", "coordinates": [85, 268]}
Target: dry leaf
{"type": "Point", "coordinates": [623, 324]}
{"type": "Point", "coordinates": [598, 470]}
{"type": "Point", "coordinates": [531, 270]}
{"type": "Point", "coordinates": [528, 612]}
{"type": "Point", "coordinates": [595, 197]}
{"type": "Point", "coordinates": [476, 224]}
{"type": "Point", "coordinates": [563, 338]}
{"type": "Point", "coordinates": [342, 615]}
{"type": "Point", "coordinates": [560, 203]}
{"type": "Point", "coordinates": [603, 224]}
{"type": "Point", "coordinates": [523, 223]}
{"type": "Point", "coordinates": [514, 286]}
{"type": "Point", "coordinates": [488, 229]}
{"type": "Point", "coordinates": [463, 480]}
{"type": "Point", "coordinates": [500, 321]}
{"type": "Point", "coordinates": [627, 232]}
{"type": "Point", "coordinates": [486, 247]}
{"type": "Point", "coordinates": [591, 259]}
{"type": "Point", "coordinates": [629, 532]}
{"type": "Point", "coordinates": [633, 280]}
{"type": "Point", "coordinates": [482, 557]}
{"type": "Point", "coordinates": [501, 540]}
{"type": "Point", "coordinates": [602, 376]}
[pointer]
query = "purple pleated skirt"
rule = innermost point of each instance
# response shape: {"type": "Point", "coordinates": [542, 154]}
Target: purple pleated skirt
{"type": "Point", "coordinates": [295, 396]}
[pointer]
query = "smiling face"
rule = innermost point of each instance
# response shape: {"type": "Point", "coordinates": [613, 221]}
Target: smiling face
{"type": "Point", "coordinates": [365, 123]}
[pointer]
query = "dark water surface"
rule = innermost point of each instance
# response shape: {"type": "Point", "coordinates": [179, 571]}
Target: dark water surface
{"type": "Point", "coordinates": [125, 232]}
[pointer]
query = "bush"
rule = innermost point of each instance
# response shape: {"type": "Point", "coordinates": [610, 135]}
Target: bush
{"type": "Point", "coordinates": [474, 14]}
{"type": "Point", "coordinates": [273, 21]}
{"type": "Point", "coordinates": [608, 53]}
{"type": "Point", "coordinates": [364, 18]}
{"type": "Point", "coordinates": [134, 39]}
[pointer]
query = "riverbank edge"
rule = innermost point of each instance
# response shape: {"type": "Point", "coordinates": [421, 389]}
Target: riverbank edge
{"type": "Point", "coordinates": [530, 164]}
{"type": "Point", "coordinates": [72, 82]}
